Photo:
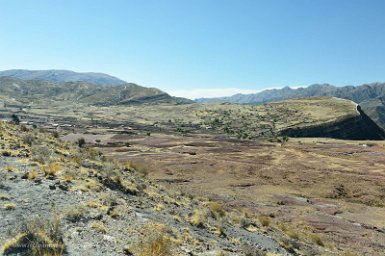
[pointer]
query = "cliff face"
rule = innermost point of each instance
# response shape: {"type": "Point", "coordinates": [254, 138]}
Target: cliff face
{"type": "Point", "coordinates": [360, 127]}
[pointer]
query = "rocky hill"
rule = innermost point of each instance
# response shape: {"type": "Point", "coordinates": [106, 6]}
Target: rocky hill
{"type": "Point", "coordinates": [63, 76]}
{"type": "Point", "coordinates": [27, 91]}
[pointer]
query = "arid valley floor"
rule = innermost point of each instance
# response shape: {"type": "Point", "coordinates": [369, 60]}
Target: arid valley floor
{"type": "Point", "coordinates": [331, 188]}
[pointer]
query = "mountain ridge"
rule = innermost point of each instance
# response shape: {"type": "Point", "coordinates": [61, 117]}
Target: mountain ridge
{"type": "Point", "coordinates": [61, 75]}
{"type": "Point", "coordinates": [83, 92]}
{"type": "Point", "coordinates": [356, 93]}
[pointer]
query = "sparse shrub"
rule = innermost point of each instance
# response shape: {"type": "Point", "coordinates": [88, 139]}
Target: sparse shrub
{"type": "Point", "coordinates": [130, 188]}
{"type": "Point", "coordinates": [9, 206]}
{"type": "Point", "coordinates": [99, 226]}
{"type": "Point", "coordinates": [28, 139]}
{"type": "Point", "coordinates": [8, 168]}
{"type": "Point", "coordinates": [127, 165]}
{"type": "Point", "coordinates": [219, 230]}
{"type": "Point", "coordinates": [93, 185]}
{"type": "Point", "coordinates": [94, 205]}
{"type": "Point", "coordinates": [282, 227]}
{"type": "Point", "coordinates": [108, 198]}
{"type": "Point", "coordinates": [51, 169]}
{"type": "Point", "coordinates": [246, 212]}
{"type": "Point", "coordinates": [77, 160]}
{"type": "Point", "coordinates": [221, 253]}
{"type": "Point", "coordinates": [116, 211]}
{"type": "Point", "coordinates": [41, 154]}
{"type": "Point", "coordinates": [159, 207]}
{"type": "Point", "coordinates": [4, 197]}
{"type": "Point", "coordinates": [244, 222]}
{"type": "Point", "coordinates": [23, 128]}
{"type": "Point", "coordinates": [339, 191]}
{"type": "Point", "coordinates": [55, 134]}
{"type": "Point", "coordinates": [68, 178]}
{"type": "Point", "coordinates": [140, 167]}
{"type": "Point", "coordinates": [264, 220]}
{"type": "Point", "coordinates": [252, 250]}
{"type": "Point", "coordinates": [81, 142]}
{"type": "Point", "coordinates": [37, 239]}
{"type": "Point", "coordinates": [198, 218]}
{"type": "Point", "coordinates": [292, 234]}
{"type": "Point", "coordinates": [217, 210]}
{"type": "Point", "coordinates": [317, 239]}
{"type": "Point", "coordinates": [75, 213]}
{"type": "Point", "coordinates": [69, 174]}
{"type": "Point", "coordinates": [290, 245]}
{"type": "Point", "coordinates": [15, 119]}
{"type": "Point", "coordinates": [93, 153]}
{"type": "Point", "coordinates": [155, 243]}
{"type": "Point", "coordinates": [32, 175]}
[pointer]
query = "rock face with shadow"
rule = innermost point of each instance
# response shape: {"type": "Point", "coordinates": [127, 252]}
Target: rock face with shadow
{"type": "Point", "coordinates": [360, 127]}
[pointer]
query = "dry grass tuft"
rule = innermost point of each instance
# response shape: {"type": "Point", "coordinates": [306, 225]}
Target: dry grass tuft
{"type": "Point", "coordinates": [94, 205]}
{"type": "Point", "coordinates": [68, 178]}
{"type": "Point", "coordinates": [75, 213]}
{"type": "Point", "coordinates": [51, 170]}
{"type": "Point", "coordinates": [9, 206]}
{"type": "Point", "coordinates": [77, 160]}
{"type": "Point", "coordinates": [4, 197]}
{"type": "Point", "coordinates": [155, 243]}
{"type": "Point", "coordinates": [140, 167]}
{"type": "Point", "coordinates": [217, 210]}
{"type": "Point", "coordinates": [37, 239]}
{"type": "Point", "coordinates": [198, 218]}
{"type": "Point", "coordinates": [99, 226]}
{"type": "Point", "coordinates": [12, 243]}
{"type": "Point", "coordinates": [8, 168]}
{"type": "Point", "coordinates": [32, 175]}
{"type": "Point", "coordinates": [317, 239]}
{"type": "Point", "coordinates": [264, 220]}
{"type": "Point", "coordinates": [159, 207]}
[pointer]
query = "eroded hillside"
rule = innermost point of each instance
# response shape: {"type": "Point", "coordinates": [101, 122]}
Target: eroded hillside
{"type": "Point", "coordinates": [60, 198]}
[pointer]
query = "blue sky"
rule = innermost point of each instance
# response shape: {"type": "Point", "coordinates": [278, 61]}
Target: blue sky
{"type": "Point", "coordinates": [196, 48]}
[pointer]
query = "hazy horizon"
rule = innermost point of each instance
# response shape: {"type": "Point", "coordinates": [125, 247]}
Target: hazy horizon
{"type": "Point", "coordinates": [194, 94]}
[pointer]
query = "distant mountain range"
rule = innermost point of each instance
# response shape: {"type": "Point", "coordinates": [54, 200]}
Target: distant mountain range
{"type": "Point", "coordinates": [354, 93]}
{"type": "Point", "coordinates": [63, 76]}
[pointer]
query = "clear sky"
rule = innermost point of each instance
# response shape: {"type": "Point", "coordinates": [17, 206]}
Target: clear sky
{"type": "Point", "coordinates": [199, 48]}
